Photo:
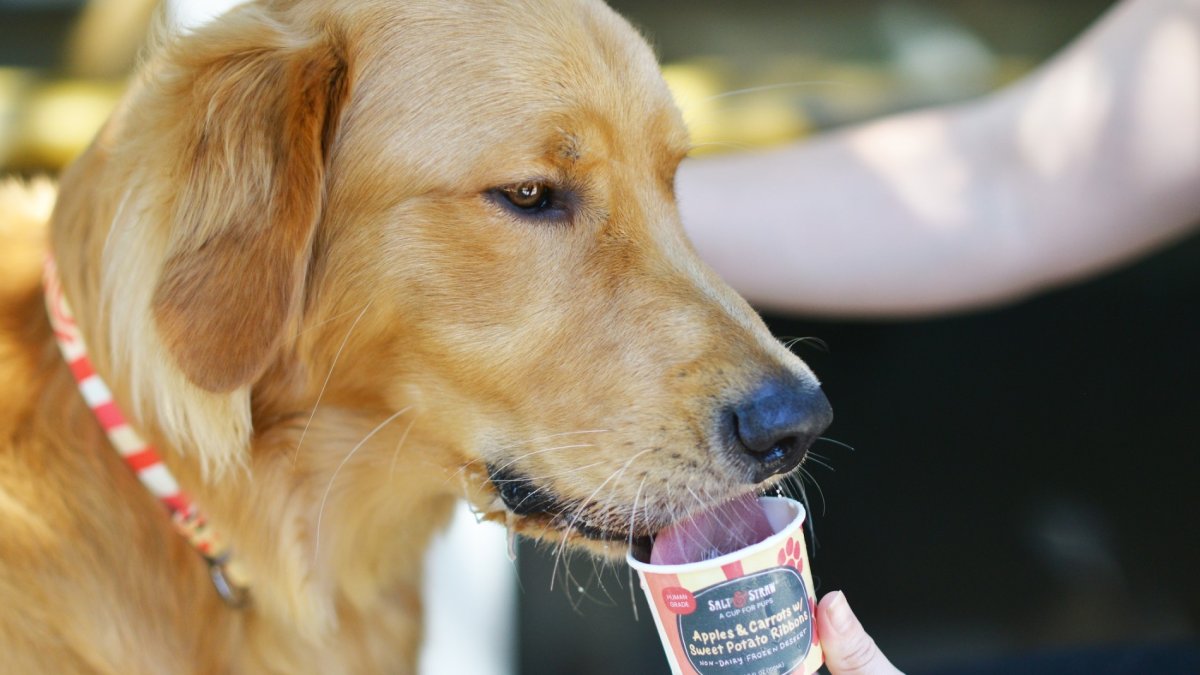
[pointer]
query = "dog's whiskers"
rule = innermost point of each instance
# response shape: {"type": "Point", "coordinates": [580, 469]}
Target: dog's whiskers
{"type": "Point", "coordinates": [820, 461]}
{"type": "Point", "coordinates": [633, 512]}
{"type": "Point", "coordinates": [528, 496]}
{"type": "Point", "coordinates": [698, 533]}
{"type": "Point", "coordinates": [772, 87]}
{"type": "Point", "coordinates": [480, 460]}
{"type": "Point", "coordinates": [836, 442]}
{"type": "Point", "coordinates": [543, 476]}
{"type": "Point", "coordinates": [810, 521]}
{"type": "Point", "coordinates": [329, 376]}
{"type": "Point", "coordinates": [813, 479]}
{"type": "Point", "coordinates": [587, 504]}
{"type": "Point", "coordinates": [400, 444]}
{"type": "Point", "coordinates": [632, 526]}
{"type": "Point", "coordinates": [815, 341]}
{"type": "Point", "coordinates": [558, 549]}
{"type": "Point", "coordinates": [510, 527]}
{"type": "Point", "coordinates": [345, 460]}
{"type": "Point", "coordinates": [551, 436]}
{"type": "Point", "coordinates": [541, 452]}
{"type": "Point", "coordinates": [718, 144]}
{"type": "Point", "coordinates": [318, 324]}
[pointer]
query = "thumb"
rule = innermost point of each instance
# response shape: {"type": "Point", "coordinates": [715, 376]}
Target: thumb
{"type": "Point", "coordinates": [848, 649]}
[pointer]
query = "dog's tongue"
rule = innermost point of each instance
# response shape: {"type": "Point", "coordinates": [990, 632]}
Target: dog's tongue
{"type": "Point", "coordinates": [722, 529]}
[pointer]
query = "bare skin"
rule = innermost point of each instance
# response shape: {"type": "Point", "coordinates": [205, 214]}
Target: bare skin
{"type": "Point", "coordinates": [1089, 162]}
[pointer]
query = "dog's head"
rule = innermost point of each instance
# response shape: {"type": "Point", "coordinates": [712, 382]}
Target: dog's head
{"type": "Point", "coordinates": [462, 210]}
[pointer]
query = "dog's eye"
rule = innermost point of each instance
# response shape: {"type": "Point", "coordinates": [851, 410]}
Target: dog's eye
{"type": "Point", "coordinates": [528, 196]}
{"type": "Point", "coordinates": [536, 200]}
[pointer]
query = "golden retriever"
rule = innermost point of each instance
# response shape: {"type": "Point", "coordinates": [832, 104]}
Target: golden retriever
{"type": "Point", "coordinates": [345, 263]}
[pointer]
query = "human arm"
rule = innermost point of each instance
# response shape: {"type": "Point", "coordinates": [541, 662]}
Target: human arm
{"type": "Point", "coordinates": [1092, 160]}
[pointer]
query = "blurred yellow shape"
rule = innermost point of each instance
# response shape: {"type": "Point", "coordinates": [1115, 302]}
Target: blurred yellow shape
{"type": "Point", "coordinates": [694, 85]}
{"type": "Point", "coordinates": [25, 207]}
{"type": "Point", "coordinates": [724, 118]}
{"type": "Point", "coordinates": [762, 119]}
{"type": "Point", "coordinates": [60, 119]}
{"type": "Point", "coordinates": [107, 37]}
{"type": "Point", "coordinates": [14, 84]}
{"type": "Point", "coordinates": [1009, 69]}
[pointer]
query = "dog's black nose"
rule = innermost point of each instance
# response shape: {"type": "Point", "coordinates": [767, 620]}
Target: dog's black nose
{"type": "Point", "coordinates": [773, 426]}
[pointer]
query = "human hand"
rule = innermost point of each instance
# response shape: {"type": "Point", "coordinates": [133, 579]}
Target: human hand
{"type": "Point", "coordinates": [848, 649]}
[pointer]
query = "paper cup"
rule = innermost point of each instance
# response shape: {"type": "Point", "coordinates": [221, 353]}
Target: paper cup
{"type": "Point", "coordinates": [751, 612]}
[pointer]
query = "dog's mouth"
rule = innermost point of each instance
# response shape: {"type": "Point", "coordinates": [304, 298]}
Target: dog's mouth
{"type": "Point", "coordinates": [541, 508]}
{"type": "Point", "coordinates": [719, 528]}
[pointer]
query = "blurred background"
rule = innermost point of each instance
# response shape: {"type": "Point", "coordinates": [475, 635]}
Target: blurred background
{"type": "Point", "coordinates": [1024, 480]}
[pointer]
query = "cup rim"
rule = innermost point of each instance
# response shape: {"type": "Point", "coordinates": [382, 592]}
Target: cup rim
{"type": "Point", "coordinates": [740, 554]}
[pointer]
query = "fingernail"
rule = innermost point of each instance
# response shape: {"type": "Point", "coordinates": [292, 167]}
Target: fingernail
{"type": "Point", "coordinates": [840, 615]}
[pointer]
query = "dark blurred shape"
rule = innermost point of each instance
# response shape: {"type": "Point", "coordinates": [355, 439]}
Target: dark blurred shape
{"type": "Point", "coordinates": [1168, 659]}
{"type": "Point", "coordinates": [32, 32]}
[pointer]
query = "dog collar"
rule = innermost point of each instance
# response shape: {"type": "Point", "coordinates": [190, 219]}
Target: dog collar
{"type": "Point", "coordinates": [139, 455]}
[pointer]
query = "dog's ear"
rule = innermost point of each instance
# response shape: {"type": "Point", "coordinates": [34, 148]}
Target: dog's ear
{"type": "Point", "coordinates": [260, 111]}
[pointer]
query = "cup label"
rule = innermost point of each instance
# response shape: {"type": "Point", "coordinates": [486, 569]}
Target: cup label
{"type": "Point", "coordinates": [760, 624]}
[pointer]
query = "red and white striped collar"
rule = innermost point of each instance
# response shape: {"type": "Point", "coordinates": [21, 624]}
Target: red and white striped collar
{"type": "Point", "coordinates": [141, 457]}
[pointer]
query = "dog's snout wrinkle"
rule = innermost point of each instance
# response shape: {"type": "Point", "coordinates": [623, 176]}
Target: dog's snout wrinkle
{"type": "Point", "coordinates": [771, 429]}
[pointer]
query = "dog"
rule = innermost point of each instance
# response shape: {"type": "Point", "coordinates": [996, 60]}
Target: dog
{"type": "Point", "coordinates": [346, 263]}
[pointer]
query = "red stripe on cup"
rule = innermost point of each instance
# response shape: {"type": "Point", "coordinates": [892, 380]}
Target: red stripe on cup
{"type": "Point", "coordinates": [733, 570]}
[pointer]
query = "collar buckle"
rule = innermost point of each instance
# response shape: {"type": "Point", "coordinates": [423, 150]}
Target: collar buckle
{"type": "Point", "coordinates": [234, 594]}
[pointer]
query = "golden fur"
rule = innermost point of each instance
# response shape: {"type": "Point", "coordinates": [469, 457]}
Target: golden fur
{"type": "Point", "coordinates": [287, 257]}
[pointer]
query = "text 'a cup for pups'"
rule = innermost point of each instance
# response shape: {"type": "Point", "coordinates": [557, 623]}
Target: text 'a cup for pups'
{"type": "Point", "coordinates": [748, 612]}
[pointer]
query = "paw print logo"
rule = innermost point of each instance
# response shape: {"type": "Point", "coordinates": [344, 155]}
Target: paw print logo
{"type": "Point", "coordinates": [791, 555]}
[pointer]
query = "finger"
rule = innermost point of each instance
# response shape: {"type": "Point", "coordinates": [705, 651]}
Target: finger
{"type": "Point", "coordinates": [848, 649]}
